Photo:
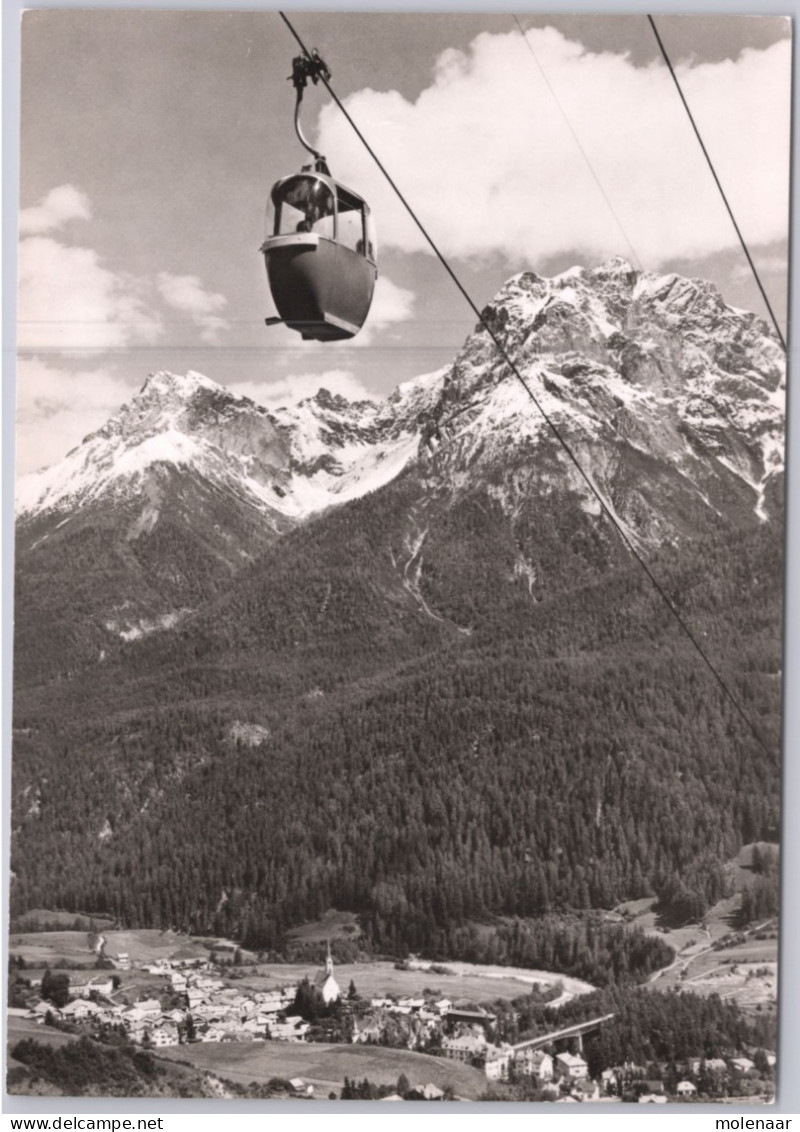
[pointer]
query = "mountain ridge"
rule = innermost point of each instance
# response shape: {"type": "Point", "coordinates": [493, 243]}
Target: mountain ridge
{"type": "Point", "coordinates": [474, 702]}
{"type": "Point", "coordinates": [592, 314]}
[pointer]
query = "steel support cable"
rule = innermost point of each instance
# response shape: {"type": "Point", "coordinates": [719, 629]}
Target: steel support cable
{"type": "Point", "coordinates": [577, 141]}
{"type": "Point", "coordinates": [707, 156]}
{"type": "Point", "coordinates": [548, 420]}
{"type": "Point", "coordinates": [592, 171]}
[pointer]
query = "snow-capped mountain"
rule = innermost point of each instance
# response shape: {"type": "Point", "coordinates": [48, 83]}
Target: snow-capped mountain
{"type": "Point", "coordinates": [285, 464]}
{"type": "Point", "coordinates": [632, 370]}
{"type": "Point", "coordinates": [613, 356]}
{"type": "Point", "coordinates": [422, 610]}
{"type": "Point", "coordinates": [670, 401]}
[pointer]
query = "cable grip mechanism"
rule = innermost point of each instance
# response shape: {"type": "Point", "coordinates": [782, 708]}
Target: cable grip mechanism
{"type": "Point", "coordinates": [305, 67]}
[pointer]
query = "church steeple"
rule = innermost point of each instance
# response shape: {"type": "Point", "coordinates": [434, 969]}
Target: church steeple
{"type": "Point", "coordinates": [324, 980]}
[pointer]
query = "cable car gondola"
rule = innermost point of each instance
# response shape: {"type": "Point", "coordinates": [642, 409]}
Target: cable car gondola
{"type": "Point", "coordinates": [320, 246]}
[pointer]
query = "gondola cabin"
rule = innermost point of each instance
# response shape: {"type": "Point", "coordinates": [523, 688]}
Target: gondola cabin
{"type": "Point", "coordinates": [320, 256]}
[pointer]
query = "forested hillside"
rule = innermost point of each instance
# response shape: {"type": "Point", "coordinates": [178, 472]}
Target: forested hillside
{"type": "Point", "coordinates": [452, 698]}
{"type": "Point", "coordinates": [648, 1027]}
{"type": "Point", "coordinates": [566, 754]}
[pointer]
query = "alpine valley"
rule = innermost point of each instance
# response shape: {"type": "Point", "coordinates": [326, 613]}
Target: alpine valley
{"type": "Point", "coordinates": [394, 658]}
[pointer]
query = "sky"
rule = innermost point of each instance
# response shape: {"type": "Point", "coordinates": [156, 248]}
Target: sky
{"type": "Point", "coordinates": [150, 139]}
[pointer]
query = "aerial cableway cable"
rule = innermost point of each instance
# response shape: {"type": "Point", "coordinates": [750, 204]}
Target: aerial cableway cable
{"type": "Point", "coordinates": [548, 420]}
{"type": "Point", "coordinates": [605, 196]}
{"type": "Point", "coordinates": [707, 156]}
{"type": "Point", "coordinates": [577, 141]}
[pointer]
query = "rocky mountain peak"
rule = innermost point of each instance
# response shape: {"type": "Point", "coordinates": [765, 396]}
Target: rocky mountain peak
{"type": "Point", "coordinates": [671, 401]}
{"type": "Point", "coordinates": [164, 384]}
{"type": "Point", "coordinates": [186, 403]}
{"type": "Point", "coordinates": [324, 399]}
{"type": "Point", "coordinates": [620, 358]}
{"type": "Point", "coordinates": [626, 364]}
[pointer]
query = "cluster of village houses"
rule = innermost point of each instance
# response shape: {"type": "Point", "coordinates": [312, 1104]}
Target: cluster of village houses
{"type": "Point", "coordinates": [220, 1013]}
{"type": "Point", "coordinates": [565, 1074]}
{"type": "Point", "coordinates": [217, 1011]}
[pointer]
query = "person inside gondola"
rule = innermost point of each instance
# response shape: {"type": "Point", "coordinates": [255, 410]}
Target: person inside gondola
{"type": "Point", "coordinates": [315, 211]}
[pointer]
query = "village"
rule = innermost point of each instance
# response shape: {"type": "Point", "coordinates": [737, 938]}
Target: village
{"type": "Point", "coordinates": [192, 1000]}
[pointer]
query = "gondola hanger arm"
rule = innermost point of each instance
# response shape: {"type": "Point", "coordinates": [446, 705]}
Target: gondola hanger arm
{"type": "Point", "coordinates": [305, 67]}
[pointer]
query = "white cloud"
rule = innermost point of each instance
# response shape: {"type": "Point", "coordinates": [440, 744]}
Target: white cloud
{"type": "Point", "coordinates": [390, 304]}
{"type": "Point", "coordinates": [56, 408]}
{"type": "Point", "coordinates": [487, 161]}
{"type": "Point", "coordinates": [186, 293]}
{"type": "Point", "coordinates": [297, 387]}
{"type": "Point", "coordinates": [765, 264]}
{"type": "Point", "coordinates": [69, 300]}
{"type": "Point", "coordinates": [59, 205]}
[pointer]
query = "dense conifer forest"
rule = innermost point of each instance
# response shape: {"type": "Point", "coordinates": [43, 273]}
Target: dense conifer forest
{"type": "Point", "coordinates": [524, 754]}
{"type": "Point", "coordinates": [647, 1027]}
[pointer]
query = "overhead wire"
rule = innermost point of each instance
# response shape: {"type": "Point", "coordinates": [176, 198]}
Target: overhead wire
{"type": "Point", "coordinates": [577, 141]}
{"type": "Point", "coordinates": [607, 511]}
{"type": "Point", "coordinates": [718, 183]}
{"type": "Point", "coordinates": [585, 156]}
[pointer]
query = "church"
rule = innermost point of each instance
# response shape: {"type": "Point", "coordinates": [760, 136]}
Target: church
{"type": "Point", "coordinates": [326, 983]}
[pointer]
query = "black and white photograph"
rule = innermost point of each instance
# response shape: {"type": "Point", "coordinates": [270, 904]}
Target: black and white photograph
{"type": "Point", "coordinates": [399, 532]}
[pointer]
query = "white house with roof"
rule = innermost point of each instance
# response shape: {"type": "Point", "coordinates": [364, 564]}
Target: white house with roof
{"type": "Point", "coordinates": [534, 1063]}
{"type": "Point", "coordinates": [686, 1089]}
{"type": "Point", "coordinates": [150, 1007]}
{"type": "Point", "coordinates": [165, 1035]}
{"type": "Point", "coordinates": [465, 1047]}
{"type": "Point", "coordinates": [572, 1066]}
{"type": "Point", "coordinates": [609, 1079]}
{"type": "Point", "coordinates": [429, 1092]}
{"type": "Point", "coordinates": [498, 1060]}
{"type": "Point", "coordinates": [272, 1002]}
{"type": "Point", "coordinates": [43, 1008]}
{"type": "Point", "coordinates": [135, 1023]}
{"type": "Point", "coordinates": [294, 1029]}
{"type": "Point", "coordinates": [97, 986]}
{"type": "Point", "coordinates": [713, 1064]}
{"type": "Point", "coordinates": [205, 982]}
{"type": "Point", "coordinates": [81, 1008]}
{"type": "Point", "coordinates": [586, 1090]}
